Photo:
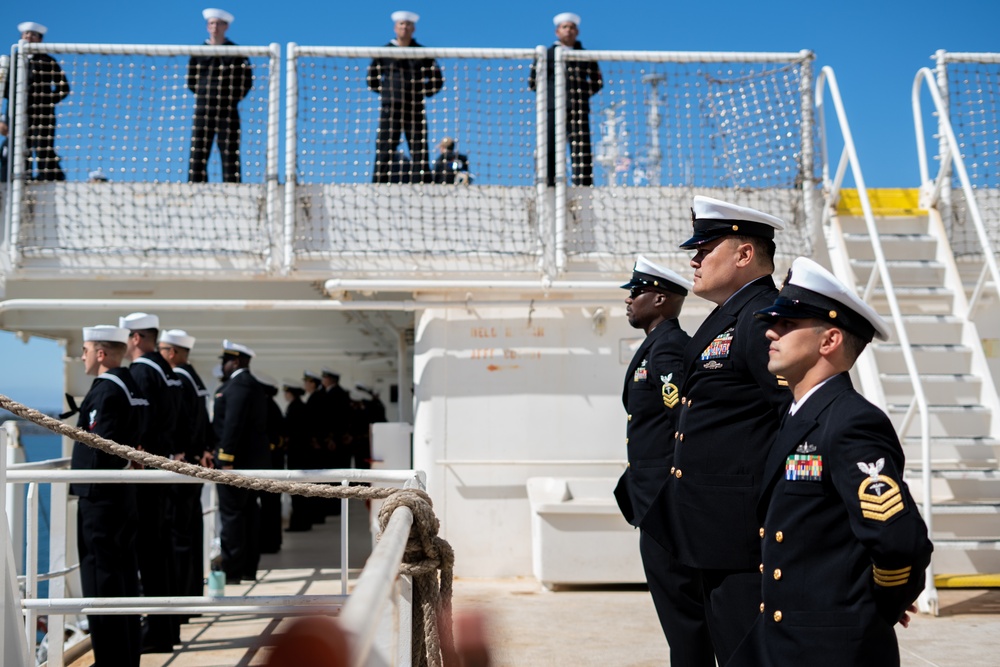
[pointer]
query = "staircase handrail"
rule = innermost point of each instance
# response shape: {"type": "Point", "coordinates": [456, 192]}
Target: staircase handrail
{"type": "Point", "coordinates": [953, 157]}
{"type": "Point", "coordinates": [849, 157]}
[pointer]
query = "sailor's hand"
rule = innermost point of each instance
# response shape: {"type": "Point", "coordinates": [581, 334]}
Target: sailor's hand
{"type": "Point", "coordinates": [4, 129]}
{"type": "Point", "coordinates": [207, 460]}
{"type": "Point", "coordinates": [905, 620]}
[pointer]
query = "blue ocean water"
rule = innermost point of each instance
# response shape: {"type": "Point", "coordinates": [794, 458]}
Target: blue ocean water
{"type": "Point", "coordinates": [40, 448]}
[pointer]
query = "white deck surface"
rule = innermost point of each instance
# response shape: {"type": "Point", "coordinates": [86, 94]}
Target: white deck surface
{"type": "Point", "coordinates": [532, 626]}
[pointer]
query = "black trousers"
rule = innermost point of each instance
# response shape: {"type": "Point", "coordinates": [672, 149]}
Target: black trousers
{"type": "Point", "coordinates": [578, 140]}
{"type": "Point", "coordinates": [106, 531]}
{"type": "Point", "coordinates": [188, 539]}
{"type": "Point", "coordinates": [222, 126]}
{"type": "Point", "coordinates": [732, 604]}
{"type": "Point", "coordinates": [677, 595]}
{"type": "Point", "coordinates": [155, 550]}
{"type": "Point", "coordinates": [41, 163]}
{"type": "Point", "coordinates": [239, 513]}
{"type": "Point", "coordinates": [395, 119]}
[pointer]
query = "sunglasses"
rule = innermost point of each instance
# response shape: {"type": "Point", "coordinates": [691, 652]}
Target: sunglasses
{"type": "Point", "coordinates": [637, 291]}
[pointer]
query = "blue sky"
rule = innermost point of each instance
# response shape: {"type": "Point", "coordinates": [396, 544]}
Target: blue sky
{"type": "Point", "coordinates": [874, 47]}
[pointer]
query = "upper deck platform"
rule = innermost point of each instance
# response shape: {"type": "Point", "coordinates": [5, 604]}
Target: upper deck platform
{"type": "Point", "coordinates": [664, 126]}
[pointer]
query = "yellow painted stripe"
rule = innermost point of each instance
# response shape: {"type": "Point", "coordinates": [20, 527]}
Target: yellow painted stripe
{"type": "Point", "coordinates": [967, 581]}
{"type": "Point", "coordinates": [885, 202]}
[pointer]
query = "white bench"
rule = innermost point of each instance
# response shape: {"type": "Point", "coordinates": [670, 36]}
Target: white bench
{"type": "Point", "coordinates": [578, 535]}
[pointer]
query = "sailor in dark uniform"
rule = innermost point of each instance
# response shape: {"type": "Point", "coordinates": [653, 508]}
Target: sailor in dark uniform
{"type": "Point", "coordinates": [403, 83]}
{"type": "Point", "coordinates": [652, 400]}
{"type": "Point", "coordinates": [270, 503]}
{"type": "Point", "coordinates": [219, 84]}
{"type": "Point", "coordinates": [187, 522]}
{"type": "Point", "coordinates": [296, 433]}
{"type": "Point", "coordinates": [844, 547]}
{"type": "Point", "coordinates": [583, 81]}
{"type": "Point", "coordinates": [167, 433]}
{"type": "Point", "coordinates": [107, 517]}
{"type": "Point", "coordinates": [240, 422]}
{"type": "Point", "coordinates": [47, 86]}
{"type": "Point", "coordinates": [730, 408]}
{"type": "Point", "coordinates": [318, 427]}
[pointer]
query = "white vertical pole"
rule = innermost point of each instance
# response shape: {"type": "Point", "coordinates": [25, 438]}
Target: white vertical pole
{"type": "Point", "coordinates": [19, 135]}
{"type": "Point", "coordinates": [542, 202]}
{"type": "Point", "coordinates": [14, 493]}
{"type": "Point", "coordinates": [58, 560]}
{"type": "Point", "coordinates": [344, 551]}
{"type": "Point", "coordinates": [404, 395]}
{"type": "Point", "coordinates": [273, 126]}
{"type": "Point", "coordinates": [31, 564]}
{"type": "Point", "coordinates": [5, 545]}
{"type": "Point", "coordinates": [808, 112]}
{"type": "Point", "coordinates": [291, 148]}
{"type": "Point", "coordinates": [560, 205]}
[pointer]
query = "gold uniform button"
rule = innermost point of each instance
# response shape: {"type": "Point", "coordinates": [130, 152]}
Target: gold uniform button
{"type": "Point", "coordinates": [777, 574]}
{"type": "Point", "coordinates": [672, 469]}
{"type": "Point", "coordinates": [676, 433]}
{"type": "Point", "coordinates": [682, 437]}
{"type": "Point", "coordinates": [678, 474]}
{"type": "Point", "coordinates": [762, 568]}
{"type": "Point", "coordinates": [690, 402]}
{"type": "Point", "coordinates": [762, 607]}
{"type": "Point", "coordinates": [779, 536]}
{"type": "Point", "coordinates": [630, 417]}
{"type": "Point", "coordinates": [684, 400]}
{"type": "Point", "coordinates": [777, 616]}
{"type": "Point", "coordinates": [762, 531]}
{"type": "Point", "coordinates": [626, 441]}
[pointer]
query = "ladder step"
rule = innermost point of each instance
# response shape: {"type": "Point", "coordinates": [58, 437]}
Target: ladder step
{"type": "Point", "coordinates": [965, 508]}
{"type": "Point", "coordinates": [986, 544]}
{"type": "Point", "coordinates": [967, 580]}
{"type": "Point", "coordinates": [913, 472]}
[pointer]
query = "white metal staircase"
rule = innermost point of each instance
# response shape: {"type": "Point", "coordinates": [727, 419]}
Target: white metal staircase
{"type": "Point", "coordinates": [932, 376]}
{"type": "Point", "coordinates": [962, 403]}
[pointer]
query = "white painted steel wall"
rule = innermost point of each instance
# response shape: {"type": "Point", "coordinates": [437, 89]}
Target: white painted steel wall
{"type": "Point", "coordinates": [500, 385]}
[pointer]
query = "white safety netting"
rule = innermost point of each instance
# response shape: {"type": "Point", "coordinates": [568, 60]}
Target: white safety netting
{"type": "Point", "coordinates": [424, 157]}
{"type": "Point", "coordinates": [974, 111]}
{"type": "Point", "coordinates": [129, 156]}
{"type": "Point", "coordinates": [665, 131]}
{"type": "Point", "coordinates": [365, 192]}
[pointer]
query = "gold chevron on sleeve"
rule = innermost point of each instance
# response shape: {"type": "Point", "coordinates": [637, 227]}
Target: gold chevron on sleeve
{"type": "Point", "coordinates": [890, 578]}
{"type": "Point", "coordinates": [880, 498]}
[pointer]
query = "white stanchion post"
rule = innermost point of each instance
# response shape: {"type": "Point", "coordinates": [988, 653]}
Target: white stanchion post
{"type": "Point", "coordinates": [344, 551]}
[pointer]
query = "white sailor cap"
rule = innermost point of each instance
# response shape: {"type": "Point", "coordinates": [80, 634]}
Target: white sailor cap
{"type": "Point", "coordinates": [292, 385]}
{"type": "Point", "coordinates": [311, 375]}
{"type": "Point", "coordinates": [221, 14]}
{"type": "Point", "coordinates": [403, 15]}
{"type": "Point", "coordinates": [31, 26]}
{"type": "Point", "coordinates": [229, 348]}
{"type": "Point", "coordinates": [326, 370]}
{"type": "Point", "coordinates": [714, 218]}
{"type": "Point", "coordinates": [97, 175]}
{"type": "Point", "coordinates": [137, 321]}
{"type": "Point", "coordinates": [566, 17]}
{"type": "Point", "coordinates": [357, 396]}
{"type": "Point", "coordinates": [178, 338]}
{"type": "Point", "coordinates": [105, 333]}
{"type": "Point", "coordinates": [810, 291]}
{"type": "Point", "coordinates": [649, 274]}
{"type": "Point", "coordinates": [266, 379]}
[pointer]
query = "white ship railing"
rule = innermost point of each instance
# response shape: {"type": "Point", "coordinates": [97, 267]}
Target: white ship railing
{"type": "Point", "coordinates": [951, 156]}
{"type": "Point", "coordinates": [366, 622]}
{"type": "Point", "coordinates": [734, 125]}
{"type": "Point", "coordinates": [879, 273]}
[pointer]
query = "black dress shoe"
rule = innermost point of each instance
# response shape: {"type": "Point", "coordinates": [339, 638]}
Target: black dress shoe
{"type": "Point", "coordinates": [232, 580]}
{"type": "Point", "coordinates": [250, 577]}
{"type": "Point", "coordinates": [156, 648]}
